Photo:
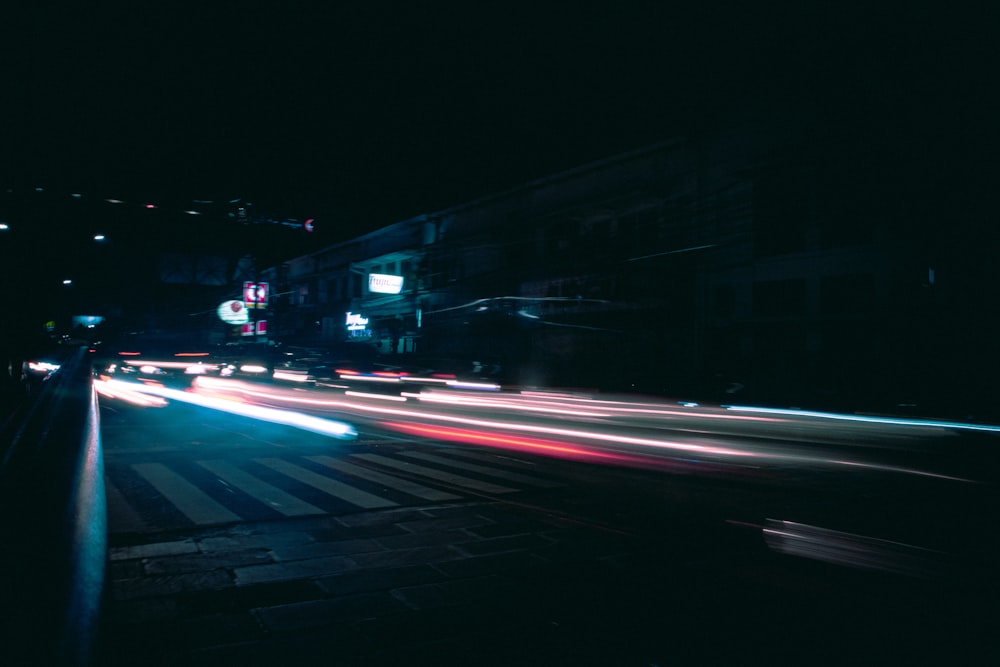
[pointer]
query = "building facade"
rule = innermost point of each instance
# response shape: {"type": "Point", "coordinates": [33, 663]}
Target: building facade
{"type": "Point", "coordinates": [763, 258]}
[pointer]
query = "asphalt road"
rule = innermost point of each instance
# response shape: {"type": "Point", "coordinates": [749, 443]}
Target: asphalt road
{"type": "Point", "coordinates": [238, 541]}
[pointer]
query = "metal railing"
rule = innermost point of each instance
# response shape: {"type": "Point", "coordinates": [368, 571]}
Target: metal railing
{"type": "Point", "coordinates": [53, 520]}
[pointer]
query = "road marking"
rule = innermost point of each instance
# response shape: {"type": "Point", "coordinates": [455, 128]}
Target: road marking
{"type": "Point", "coordinates": [483, 470]}
{"type": "Point", "coordinates": [121, 517]}
{"type": "Point", "coordinates": [185, 496]}
{"type": "Point", "coordinates": [440, 475]}
{"type": "Point", "coordinates": [271, 496]}
{"type": "Point", "coordinates": [403, 485]}
{"type": "Point", "coordinates": [326, 485]}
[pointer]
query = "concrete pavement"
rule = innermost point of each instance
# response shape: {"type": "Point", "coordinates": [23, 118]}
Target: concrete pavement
{"type": "Point", "coordinates": [503, 584]}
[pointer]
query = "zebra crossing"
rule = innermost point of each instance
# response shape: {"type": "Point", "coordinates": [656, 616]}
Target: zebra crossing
{"type": "Point", "coordinates": [170, 494]}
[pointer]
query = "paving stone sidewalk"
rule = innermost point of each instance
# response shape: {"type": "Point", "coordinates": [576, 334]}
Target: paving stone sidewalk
{"type": "Point", "coordinates": [498, 584]}
{"type": "Point", "coordinates": [433, 585]}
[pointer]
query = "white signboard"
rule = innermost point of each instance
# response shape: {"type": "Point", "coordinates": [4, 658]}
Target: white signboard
{"type": "Point", "coordinates": [233, 312]}
{"type": "Point", "coordinates": [383, 283]}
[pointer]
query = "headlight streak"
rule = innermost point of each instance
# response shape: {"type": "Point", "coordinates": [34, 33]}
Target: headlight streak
{"type": "Point", "coordinates": [485, 386]}
{"type": "Point", "coordinates": [153, 363]}
{"type": "Point", "coordinates": [368, 378]}
{"type": "Point", "coordinates": [518, 426]}
{"type": "Point", "coordinates": [757, 456]}
{"type": "Point", "coordinates": [499, 403]}
{"type": "Point", "coordinates": [381, 397]}
{"type": "Point", "coordinates": [420, 379]}
{"type": "Point", "coordinates": [899, 421]}
{"type": "Point", "coordinates": [290, 377]}
{"type": "Point", "coordinates": [125, 393]}
{"type": "Point", "coordinates": [43, 367]}
{"type": "Point", "coordinates": [621, 406]}
{"type": "Point", "coordinates": [899, 469]}
{"type": "Point", "coordinates": [305, 422]}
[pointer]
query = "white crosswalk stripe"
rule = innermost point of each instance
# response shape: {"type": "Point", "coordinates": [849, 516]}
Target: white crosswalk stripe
{"type": "Point", "coordinates": [400, 475]}
{"type": "Point", "coordinates": [432, 473]}
{"type": "Point", "coordinates": [482, 470]}
{"type": "Point", "coordinates": [326, 484]}
{"type": "Point", "coordinates": [270, 495]}
{"type": "Point", "coordinates": [185, 496]}
{"type": "Point", "coordinates": [395, 483]}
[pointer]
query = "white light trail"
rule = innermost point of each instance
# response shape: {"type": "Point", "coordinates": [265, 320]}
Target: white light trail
{"type": "Point", "coordinates": [305, 422]}
{"type": "Point", "coordinates": [901, 421]}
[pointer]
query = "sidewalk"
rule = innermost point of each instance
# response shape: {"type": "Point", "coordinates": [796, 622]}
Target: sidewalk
{"type": "Point", "coordinates": [465, 584]}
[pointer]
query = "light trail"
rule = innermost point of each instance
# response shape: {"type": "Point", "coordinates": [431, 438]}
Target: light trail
{"type": "Point", "coordinates": [305, 422]}
{"type": "Point", "coordinates": [606, 438]}
{"type": "Point", "coordinates": [868, 419]}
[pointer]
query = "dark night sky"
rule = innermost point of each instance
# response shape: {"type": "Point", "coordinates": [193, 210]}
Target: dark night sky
{"type": "Point", "coordinates": [365, 116]}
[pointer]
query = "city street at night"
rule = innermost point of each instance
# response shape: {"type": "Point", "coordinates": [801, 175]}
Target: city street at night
{"type": "Point", "coordinates": [238, 540]}
{"type": "Point", "coordinates": [610, 333]}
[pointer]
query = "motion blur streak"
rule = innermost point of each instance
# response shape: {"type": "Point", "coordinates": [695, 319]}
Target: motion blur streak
{"type": "Point", "coordinates": [298, 420]}
{"type": "Point", "coordinates": [551, 447]}
{"type": "Point", "coordinates": [603, 436]}
{"type": "Point", "coordinates": [840, 548]}
{"type": "Point", "coordinates": [625, 407]}
{"type": "Point", "coordinates": [897, 469]}
{"type": "Point", "coordinates": [435, 397]}
{"type": "Point", "coordinates": [159, 363]}
{"type": "Point", "coordinates": [781, 445]}
{"type": "Point", "coordinates": [381, 397]}
{"type": "Point", "coordinates": [930, 423]}
{"type": "Point", "coordinates": [290, 377]}
{"type": "Point", "coordinates": [127, 394]}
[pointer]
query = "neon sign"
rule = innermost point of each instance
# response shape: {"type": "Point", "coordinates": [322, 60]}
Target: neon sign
{"type": "Point", "coordinates": [384, 283]}
{"type": "Point", "coordinates": [355, 322]}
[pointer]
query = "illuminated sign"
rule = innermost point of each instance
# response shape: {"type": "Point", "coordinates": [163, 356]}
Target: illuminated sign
{"type": "Point", "coordinates": [233, 312]}
{"type": "Point", "coordinates": [248, 328]}
{"type": "Point", "coordinates": [384, 283]}
{"type": "Point", "coordinates": [255, 294]}
{"type": "Point", "coordinates": [355, 322]}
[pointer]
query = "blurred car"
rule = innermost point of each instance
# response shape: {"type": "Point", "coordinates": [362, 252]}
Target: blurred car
{"type": "Point", "coordinates": [247, 361]}
{"type": "Point", "coordinates": [293, 363]}
{"type": "Point", "coordinates": [357, 368]}
{"type": "Point", "coordinates": [150, 362]}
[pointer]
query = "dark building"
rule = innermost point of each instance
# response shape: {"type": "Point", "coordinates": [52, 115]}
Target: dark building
{"type": "Point", "coordinates": [788, 263]}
